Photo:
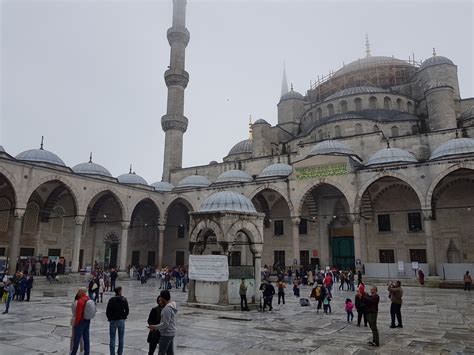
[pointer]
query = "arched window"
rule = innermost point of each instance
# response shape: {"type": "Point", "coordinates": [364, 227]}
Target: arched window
{"type": "Point", "coordinates": [320, 135]}
{"type": "Point", "coordinates": [30, 220]}
{"type": "Point", "coordinates": [387, 103]}
{"type": "Point", "coordinates": [5, 206]}
{"type": "Point", "coordinates": [319, 114]}
{"type": "Point", "coordinates": [376, 128]}
{"type": "Point", "coordinates": [409, 107]}
{"type": "Point", "coordinates": [337, 131]}
{"type": "Point", "coordinates": [330, 109]}
{"type": "Point", "coordinates": [343, 106]}
{"type": "Point", "coordinates": [310, 117]}
{"type": "Point", "coordinates": [57, 220]}
{"type": "Point", "coordinates": [358, 128]}
{"type": "Point", "coordinates": [400, 105]}
{"type": "Point", "coordinates": [358, 104]}
{"type": "Point", "coordinates": [373, 104]}
{"type": "Point", "coordinates": [415, 129]}
{"type": "Point", "coordinates": [395, 131]}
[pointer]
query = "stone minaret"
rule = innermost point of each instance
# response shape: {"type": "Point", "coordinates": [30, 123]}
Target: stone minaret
{"type": "Point", "coordinates": [174, 123]}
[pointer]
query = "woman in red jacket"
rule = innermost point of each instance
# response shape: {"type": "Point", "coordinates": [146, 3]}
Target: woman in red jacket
{"type": "Point", "coordinates": [81, 325]}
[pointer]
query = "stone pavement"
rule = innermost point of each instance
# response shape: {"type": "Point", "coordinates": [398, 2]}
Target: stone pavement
{"type": "Point", "coordinates": [436, 321]}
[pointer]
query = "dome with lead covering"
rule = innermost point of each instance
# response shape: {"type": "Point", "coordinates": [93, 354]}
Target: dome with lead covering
{"type": "Point", "coordinates": [356, 91]}
{"type": "Point", "coordinates": [227, 201]}
{"type": "Point", "coordinates": [162, 186]}
{"type": "Point", "coordinates": [194, 181]}
{"type": "Point", "coordinates": [132, 179]}
{"type": "Point", "coordinates": [435, 60]}
{"type": "Point", "coordinates": [213, 162]}
{"type": "Point", "coordinates": [331, 147]}
{"type": "Point", "coordinates": [275, 170]}
{"type": "Point", "coordinates": [369, 63]}
{"type": "Point", "coordinates": [233, 176]}
{"type": "Point", "coordinates": [391, 155]}
{"type": "Point", "coordinates": [261, 121]}
{"type": "Point", "coordinates": [292, 94]}
{"type": "Point", "coordinates": [91, 168]}
{"type": "Point", "coordinates": [242, 147]}
{"type": "Point", "coordinates": [457, 146]}
{"type": "Point", "coordinates": [40, 156]}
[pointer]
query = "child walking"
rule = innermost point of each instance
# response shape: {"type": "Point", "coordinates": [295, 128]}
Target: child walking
{"type": "Point", "coordinates": [327, 304]}
{"type": "Point", "coordinates": [349, 308]}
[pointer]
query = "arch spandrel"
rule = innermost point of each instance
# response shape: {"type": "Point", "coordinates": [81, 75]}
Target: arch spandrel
{"type": "Point", "coordinates": [138, 201]}
{"type": "Point", "coordinates": [188, 203]}
{"type": "Point", "coordinates": [273, 187]}
{"type": "Point", "coordinates": [206, 224]}
{"type": "Point", "coordinates": [88, 202]}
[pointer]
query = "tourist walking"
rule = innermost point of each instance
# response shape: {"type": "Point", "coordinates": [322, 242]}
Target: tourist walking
{"type": "Point", "coordinates": [349, 307]}
{"type": "Point", "coordinates": [296, 288]}
{"type": "Point", "coordinates": [359, 278]}
{"type": "Point", "coordinates": [9, 290]}
{"type": "Point", "coordinates": [360, 307]}
{"type": "Point", "coordinates": [167, 325]}
{"type": "Point", "coordinates": [85, 311]}
{"type": "Point", "coordinates": [327, 303]}
{"type": "Point", "coordinates": [421, 277]}
{"type": "Point", "coordinates": [243, 296]}
{"type": "Point", "coordinates": [101, 289]}
{"type": "Point", "coordinates": [113, 278]}
{"type": "Point", "coordinates": [371, 303]}
{"type": "Point", "coordinates": [467, 281]}
{"type": "Point", "coordinates": [281, 291]}
{"type": "Point", "coordinates": [117, 313]}
{"type": "Point", "coordinates": [319, 293]}
{"type": "Point", "coordinates": [29, 286]}
{"type": "Point", "coordinates": [289, 274]}
{"type": "Point", "coordinates": [154, 334]}
{"type": "Point", "coordinates": [396, 294]}
{"type": "Point", "coordinates": [268, 293]}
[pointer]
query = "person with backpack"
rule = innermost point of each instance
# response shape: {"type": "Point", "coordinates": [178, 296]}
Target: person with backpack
{"type": "Point", "coordinates": [318, 293]}
{"type": "Point", "coordinates": [117, 313]}
{"type": "Point", "coordinates": [154, 334]}
{"type": "Point", "coordinates": [85, 311]}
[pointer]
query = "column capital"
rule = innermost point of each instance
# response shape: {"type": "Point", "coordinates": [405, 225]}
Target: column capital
{"type": "Point", "coordinates": [125, 225]}
{"type": "Point", "coordinates": [79, 220]}
{"type": "Point", "coordinates": [295, 220]}
{"type": "Point", "coordinates": [19, 213]}
{"type": "Point", "coordinates": [161, 228]}
{"type": "Point", "coordinates": [356, 218]}
{"type": "Point", "coordinates": [427, 214]}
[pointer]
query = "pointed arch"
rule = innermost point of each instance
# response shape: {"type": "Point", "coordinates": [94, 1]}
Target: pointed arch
{"type": "Point", "coordinates": [272, 187]}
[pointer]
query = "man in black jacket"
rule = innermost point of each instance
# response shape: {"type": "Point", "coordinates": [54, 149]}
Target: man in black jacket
{"type": "Point", "coordinates": [113, 278]}
{"type": "Point", "coordinates": [117, 312]}
{"type": "Point", "coordinates": [268, 293]}
{"type": "Point", "coordinates": [154, 334]}
{"type": "Point", "coordinates": [371, 303]}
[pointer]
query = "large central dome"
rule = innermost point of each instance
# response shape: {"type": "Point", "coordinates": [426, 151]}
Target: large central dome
{"type": "Point", "coordinates": [371, 62]}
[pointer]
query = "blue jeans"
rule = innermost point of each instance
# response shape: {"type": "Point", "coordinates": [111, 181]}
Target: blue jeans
{"type": "Point", "coordinates": [7, 303]}
{"type": "Point", "coordinates": [166, 345]}
{"type": "Point", "coordinates": [81, 331]}
{"type": "Point", "coordinates": [113, 326]}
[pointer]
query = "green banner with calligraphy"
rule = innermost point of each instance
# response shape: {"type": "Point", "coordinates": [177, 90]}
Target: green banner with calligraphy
{"type": "Point", "coordinates": [321, 171]}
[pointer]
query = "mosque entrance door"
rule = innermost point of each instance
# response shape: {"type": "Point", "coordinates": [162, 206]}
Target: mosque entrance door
{"type": "Point", "coordinates": [111, 252]}
{"type": "Point", "coordinates": [343, 252]}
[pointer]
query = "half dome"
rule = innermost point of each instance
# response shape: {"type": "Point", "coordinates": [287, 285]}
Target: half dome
{"type": "Point", "coordinates": [194, 181]}
{"type": "Point", "coordinates": [162, 186]}
{"type": "Point", "coordinates": [457, 146]}
{"type": "Point", "coordinates": [331, 147]}
{"type": "Point", "coordinates": [276, 170]}
{"type": "Point", "coordinates": [233, 176]}
{"type": "Point", "coordinates": [390, 156]}
{"type": "Point", "coordinates": [242, 147]}
{"type": "Point", "coordinates": [91, 168]}
{"type": "Point", "coordinates": [356, 91]}
{"type": "Point", "coordinates": [40, 156]}
{"type": "Point", "coordinates": [227, 201]}
{"type": "Point", "coordinates": [132, 179]}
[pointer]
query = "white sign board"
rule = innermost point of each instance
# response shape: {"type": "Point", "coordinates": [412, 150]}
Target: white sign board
{"type": "Point", "coordinates": [415, 265]}
{"type": "Point", "coordinates": [401, 266]}
{"type": "Point", "coordinates": [208, 268]}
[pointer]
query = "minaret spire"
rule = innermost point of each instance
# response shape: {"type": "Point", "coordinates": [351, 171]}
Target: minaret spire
{"type": "Point", "coordinates": [174, 123]}
{"type": "Point", "coordinates": [284, 81]}
{"type": "Point", "coordinates": [367, 45]}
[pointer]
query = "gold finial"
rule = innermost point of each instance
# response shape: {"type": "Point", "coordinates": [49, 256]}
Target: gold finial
{"type": "Point", "coordinates": [434, 52]}
{"type": "Point", "coordinates": [367, 45]}
{"type": "Point", "coordinates": [250, 127]}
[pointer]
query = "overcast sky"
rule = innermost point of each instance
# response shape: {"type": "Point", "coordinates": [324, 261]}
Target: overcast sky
{"type": "Point", "coordinates": [88, 75]}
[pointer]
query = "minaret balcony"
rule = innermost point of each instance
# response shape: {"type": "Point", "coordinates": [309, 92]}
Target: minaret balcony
{"type": "Point", "coordinates": [176, 122]}
{"type": "Point", "coordinates": [178, 34]}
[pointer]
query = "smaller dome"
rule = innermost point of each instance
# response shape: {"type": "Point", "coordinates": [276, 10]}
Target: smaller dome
{"type": "Point", "coordinates": [391, 155]}
{"type": "Point", "coordinates": [194, 181]}
{"type": "Point", "coordinates": [41, 156]}
{"type": "Point", "coordinates": [455, 146]}
{"type": "Point", "coordinates": [261, 121]}
{"type": "Point", "coordinates": [91, 168]}
{"type": "Point", "coordinates": [331, 147]}
{"type": "Point", "coordinates": [275, 170]}
{"type": "Point", "coordinates": [227, 201]}
{"type": "Point", "coordinates": [435, 60]}
{"type": "Point", "coordinates": [213, 162]}
{"type": "Point", "coordinates": [356, 91]}
{"type": "Point", "coordinates": [2, 150]}
{"type": "Point", "coordinates": [162, 186]}
{"type": "Point", "coordinates": [242, 147]}
{"type": "Point", "coordinates": [131, 179]}
{"type": "Point", "coordinates": [292, 94]}
{"type": "Point", "coordinates": [233, 176]}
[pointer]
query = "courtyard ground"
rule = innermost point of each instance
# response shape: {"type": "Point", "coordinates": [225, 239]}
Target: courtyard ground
{"type": "Point", "coordinates": [436, 321]}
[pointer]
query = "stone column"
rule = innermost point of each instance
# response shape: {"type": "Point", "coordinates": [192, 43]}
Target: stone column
{"type": "Point", "coordinates": [324, 244]}
{"type": "Point", "coordinates": [161, 236]}
{"type": "Point", "coordinates": [357, 243]}
{"type": "Point", "coordinates": [258, 274]}
{"type": "Point", "coordinates": [77, 243]}
{"type": "Point", "coordinates": [295, 222]}
{"type": "Point", "coordinates": [224, 285]}
{"type": "Point", "coordinates": [14, 247]}
{"type": "Point", "coordinates": [124, 247]}
{"type": "Point", "coordinates": [430, 251]}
